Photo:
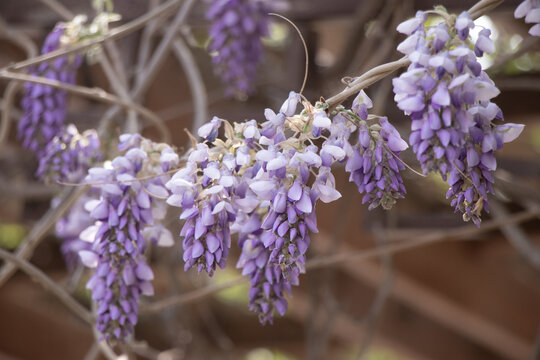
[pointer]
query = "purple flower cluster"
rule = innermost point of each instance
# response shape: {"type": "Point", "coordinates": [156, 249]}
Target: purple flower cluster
{"type": "Point", "coordinates": [375, 165]}
{"type": "Point", "coordinates": [126, 216]}
{"type": "Point", "coordinates": [267, 282]}
{"type": "Point", "coordinates": [68, 156]}
{"type": "Point", "coordinates": [263, 181]}
{"type": "Point", "coordinates": [373, 161]}
{"type": "Point", "coordinates": [44, 106]}
{"type": "Point", "coordinates": [286, 205]}
{"type": "Point", "coordinates": [530, 10]}
{"type": "Point", "coordinates": [235, 37]}
{"type": "Point", "coordinates": [203, 189]}
{"type": "Point", "coordinates": [443, 90]}
{"type": "Point", "coordinates": [472, 177]}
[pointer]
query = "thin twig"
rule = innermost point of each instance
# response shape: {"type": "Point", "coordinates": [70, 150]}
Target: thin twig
{"type": "Point", "coordinates": [19, 38]}
{"type": "Point", "coordinates": [9, 98]}
{"type": "Point", "coordinates": [483, 7]}
{"type": "Point", "coordinates": [306, 53]}
{"type": "Point", "coordinates": [189, 297]}
{"type": "Point", "coordinates": [26, 190]}
{"type": "Point", "coordinates": [515, 235]}
{"type": "Point", "coordinates": [196, 84]}
{"type": "Point", "coordinates": [115, 33]}
{"type": "Point", "coordinates": [144, 78]}
{"type": "Point", "coordinates": [381, 71]}
{"type": "Point", "coordinates": [368, 78]}
{"type": "Point", "coordinates": [93, 93]}
{"type": "Point", "coordinates": [115, 73]}
{"type": "Point", "coordinates": [38, 275]}
{"type": "Point", "coordinates": [44, 225]}
{"type": "Point", "coordinates": [322, 287]}
{"type": "Point", "coordinates": [144, 81]}
{"type": "Point", "coordinates": [380, 298]}
{"type": "Point", "coordinates": [93, 352]}
{"type": "Point", "coordinates": [121, 90]}
{"type": "Point", "coordinates": [104, 348]}
{"type": "Point", "coordinates": [58, 8]}
{"type": "Point", "coordinates": [118, 64]}
{"type": "Point", "coordinates": [146, 40]}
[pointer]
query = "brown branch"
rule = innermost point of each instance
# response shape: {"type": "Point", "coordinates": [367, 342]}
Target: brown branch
{"type": "Point", "coordinates": [26, 190]}
{"type": "Point", "coordinates": [44, 225]}
{"type": "Point", "coordinates": [38, 276]}
{"type": "Point", "coordinates": [144, 78]}
{"type": "Point", "coordinates": [131, 124]}
{"type": "Point", "coordinates": [93, 93]}
{"type": "Point", "coordinates": [483, 7]}
{"type": "Point", "coordinates": [381, 71]}
{"type": "Point", "coordinates": [515, 235]}
{"type": "Point", "coordinates": [187, 298]}
{"type": "Point", "coordinates": [19, 38]}
{"type": "Point", "coordinates": [196, 84]}
{"type": "Point", "coordinates": [383, 292]}
{"type": "Point", "coordinates": [59, 8]}
{"type": "Point", "coordinates": [9, 98]}
{"type": "Point", "coordinates": [114, 72]}
{"type": "Point", "coordinates": [115, 33]}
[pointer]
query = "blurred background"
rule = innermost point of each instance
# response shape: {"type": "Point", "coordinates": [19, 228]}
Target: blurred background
{"type": "Point", "coordinates": [474, 296]}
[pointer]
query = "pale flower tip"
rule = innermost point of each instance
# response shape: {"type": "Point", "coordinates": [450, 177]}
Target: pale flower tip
{"type": "Point", "coordinates": [88, 258]}
{"type": "Point", "coordinates": [510, 131]}
{"type": "Point", "coordinates": [397, 144]}
{"type": "Point", "coordinates": [165, 239]}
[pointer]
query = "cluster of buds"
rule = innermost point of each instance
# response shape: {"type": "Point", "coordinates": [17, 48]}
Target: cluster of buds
{"type": "Point", "coordinates": [448, 98]}
{"type": "Point", "coordinates": [126, 218]}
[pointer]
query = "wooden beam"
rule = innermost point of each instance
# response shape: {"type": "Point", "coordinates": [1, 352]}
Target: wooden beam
{"type": "Point", "coordinates": [440, 309]}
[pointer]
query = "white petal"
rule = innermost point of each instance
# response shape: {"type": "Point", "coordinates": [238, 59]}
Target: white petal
{"type": "Point", "coordinates": [88, 258]}
{"type": "Point", "coordinates": [89, 234]}
{"type": "Point", "coordinates": [510, 131]}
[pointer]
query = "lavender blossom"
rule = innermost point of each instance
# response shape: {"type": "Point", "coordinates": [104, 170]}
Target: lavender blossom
{"type": "Point", "coordinates": [235, 36]}
{"type": "Point", "coordinates": [447, 95]}
{"type": "Point", "coordinates": [436, 90]}
{"type": "Point", "coordinates": [530, 10]}
{"type": "Point", "coordinates": [44, 106]}
{"type": "Point", "coordinates": [267, 282]}
{"type": "Point", "coordinates": [375, 165]}
{"type": "Point", "coordinates": [125, 212]}
{"type": "Point", "coordinates": [287, 209]}
{"type": "Point", "coordinates": [472, 178]}
{"type": "Point", "coordinates": [68, 156]}
{"type": "Point", "coordinates": [203, 190]}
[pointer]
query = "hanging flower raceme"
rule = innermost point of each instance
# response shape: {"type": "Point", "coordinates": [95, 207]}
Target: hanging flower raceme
{"type": "Point", "coordinates": [375, 164]}
{"type": "Point", "coordinates": [472, 177]}
{"type": "Point", "coordinates": [530, 10]}
{"type": "Point", "coordinates": [442, 91]}
{"type": "Point", "coordinates": [68, 156]}
{"type": "Point", "coordinates": [125, 222]}
{"type": "Point", "coordinates": [274, 253]}
{"type": "Point", "coordinates": [235, 40]}
{"type": "Point", "coordinates": [203, 190]}
{"type": "Point", "coordinates": [44, 106]}
{"type": "Point", "coordinates": [267, 282]}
